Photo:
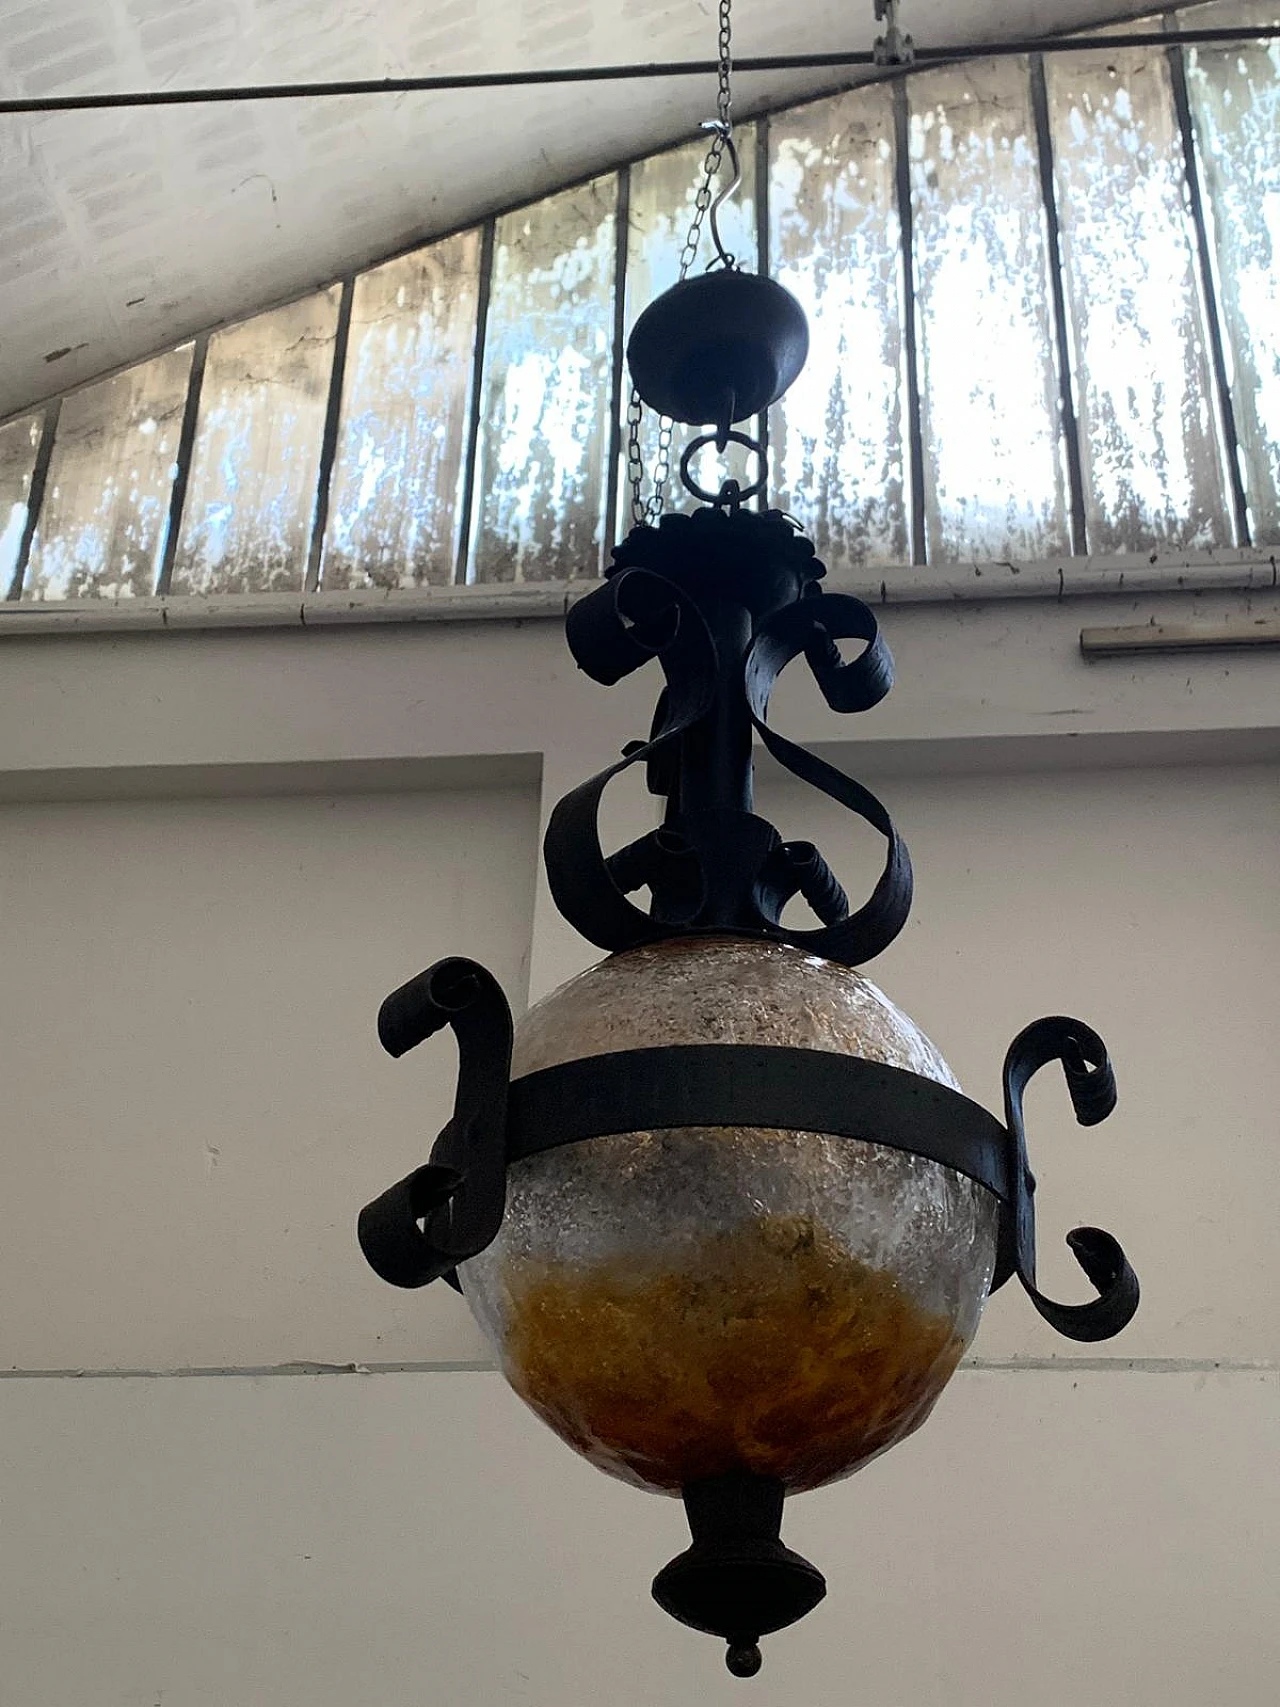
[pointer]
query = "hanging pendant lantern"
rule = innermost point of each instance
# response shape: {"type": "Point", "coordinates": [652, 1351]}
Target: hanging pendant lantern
{"type": "Point", "coordinates": [721, 1209]}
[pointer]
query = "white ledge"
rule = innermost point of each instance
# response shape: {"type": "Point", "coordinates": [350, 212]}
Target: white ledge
{"type": "Point", "coordinates": [1236, 570]}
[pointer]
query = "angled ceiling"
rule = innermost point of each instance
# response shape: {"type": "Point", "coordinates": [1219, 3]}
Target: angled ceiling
{"type": "Point", "coordinates": [123, 232]}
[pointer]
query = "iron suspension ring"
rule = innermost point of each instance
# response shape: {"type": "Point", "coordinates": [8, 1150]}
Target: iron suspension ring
{"type": "Point", "coordinates": [720, 440]}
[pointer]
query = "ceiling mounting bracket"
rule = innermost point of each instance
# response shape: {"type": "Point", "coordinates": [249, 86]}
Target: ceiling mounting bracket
{"type": "Point", "coordinates": [893, 47]}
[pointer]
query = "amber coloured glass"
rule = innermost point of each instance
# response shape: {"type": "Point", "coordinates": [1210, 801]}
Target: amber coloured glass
{"type": "Point", "coordinates": [683, 1303]}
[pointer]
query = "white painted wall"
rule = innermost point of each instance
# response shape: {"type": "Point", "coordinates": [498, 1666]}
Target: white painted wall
{"type": "Point", "coordinates": [218, 854]}
{"type": "Point", "coordinates": [196, 1102]}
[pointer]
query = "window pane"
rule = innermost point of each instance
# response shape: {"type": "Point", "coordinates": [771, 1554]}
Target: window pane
{"type": "Point", "coordinates": [1150, 447]}
{"type": "Point", "coordinates": [836, 440]}
{"type": "Point", "coordinates": [994, 461]}
{"type": "Point", "coordinates": [246, 525]}
{"type": "Point", "coordinates": [394, 504]}
{"type": "Point", "coordinates": [1235, 96]}
{"type": "Point", "coordinates": [19, 443]}
{"type": "Point", "coordinates": [663, 190]}
{"type": "Point", "coordinates": [545, 398]}
{"type": "Point", "coordinates": [106, 499]}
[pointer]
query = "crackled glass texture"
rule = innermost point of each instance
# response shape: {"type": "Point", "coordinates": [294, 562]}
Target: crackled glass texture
{"type": "Point", "coordinates": [684, 1303]}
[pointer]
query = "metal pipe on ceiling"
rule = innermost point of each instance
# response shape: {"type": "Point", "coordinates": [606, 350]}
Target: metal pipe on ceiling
{"type": "Point", "coordinates": [555, 76]}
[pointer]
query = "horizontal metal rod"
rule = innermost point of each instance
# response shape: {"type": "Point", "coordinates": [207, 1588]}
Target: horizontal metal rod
{"type": "Point", "coordinates": [848, 59]}
{"type": "Point", "coordinates": [1178, 637]}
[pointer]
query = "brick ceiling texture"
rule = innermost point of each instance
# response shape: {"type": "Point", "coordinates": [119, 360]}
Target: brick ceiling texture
{"type": "Point", "coordinates": [124, 232]}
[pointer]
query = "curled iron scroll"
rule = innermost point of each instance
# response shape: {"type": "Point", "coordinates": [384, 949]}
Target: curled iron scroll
{"type": "Point", "coordinates": [450, 1209]}
{"type": "Point", "coordinates": [637, 615]}
{"type": "Point", "coordinates": [812, 627]}
{"type": "Point", "coordinates": [1091, 1083]}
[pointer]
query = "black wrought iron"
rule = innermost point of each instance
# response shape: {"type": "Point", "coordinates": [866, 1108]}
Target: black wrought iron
{"type": "Point", "coordinates": [737, 1085]}
{"type": "Point", "coordinates": [724, 601]}
{"type": "Point", "coordinates": [451, 1208]}
{"type": "Point", "coordinates": [737, 1580]}
{"type": "Point", "coordinates": [1092, 1085]}
{"type": "Point", "coordinates": [731, 493]}
{"type": "Point", "coordinates": [718, 347]}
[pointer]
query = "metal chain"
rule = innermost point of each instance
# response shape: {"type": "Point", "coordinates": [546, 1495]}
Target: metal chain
{"type": "Point", "coordinates": [635, 460]}
{"type": "Point", "coordinates": [648, 510]}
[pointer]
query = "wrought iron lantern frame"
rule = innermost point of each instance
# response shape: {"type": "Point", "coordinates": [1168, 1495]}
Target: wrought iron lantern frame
{"type": "Point", "coordinates": [723, 599]}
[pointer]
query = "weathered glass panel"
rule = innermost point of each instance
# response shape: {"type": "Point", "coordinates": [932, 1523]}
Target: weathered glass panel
{"type": "Point", "coordinates": [837, 439]}
{"type": "Point", "coordinates": [994, 459]}
{"type": "Point", "coordinates": [664, 189]}
{"type": "Point", "coordinates": [1152, 23]}
{"type": "Point", "coordinates": [246, 524]}
{"type": "Point", "coordinates": [545, 395]}
{"type": "Point", "coordinates": [1235, 97]}
{"type": "Point", "coordinates": [105, 515]}
{"type": "Point", "coordinates": [19, 444]}
{"type": "Point", "coordinates": [396, 495]}
{"type": "Point", "coordinates": [1150, 445]}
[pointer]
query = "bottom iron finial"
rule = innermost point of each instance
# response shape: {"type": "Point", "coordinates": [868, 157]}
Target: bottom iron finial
{"type": "Point", "coordinates": [743, 1660]}
{"type": "Point", "coordinates": [737, 1580]}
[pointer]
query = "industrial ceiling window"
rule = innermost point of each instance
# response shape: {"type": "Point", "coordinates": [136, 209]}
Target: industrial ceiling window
{"type": "Point", "coordinates": [1043, 303]}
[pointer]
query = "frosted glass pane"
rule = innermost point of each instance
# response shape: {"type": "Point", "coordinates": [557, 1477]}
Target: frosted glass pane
{"type": "Point", "coordinates": [548, 372]}
{"type": "Point", "coordinates": [994, 460]}
{"type": "Point", "coordinates": [1151, 24]}
{"type": "Point", "coordinates": [1235, 97]}
{"type": "Point", "coordinates": [1152, 461]}
{"type": "Point", "coordinates": [105, 515]}
{"type": "Point", "coordinates": [395, 498]}
{"type": "Point", "coordinates": [246, 524]}
{"type": "Point", "coordinates": [837, 440]}
{"type": "Point", "coordinates": [663, 190]}
{"type": "Point", "coordinates": [19, 443]}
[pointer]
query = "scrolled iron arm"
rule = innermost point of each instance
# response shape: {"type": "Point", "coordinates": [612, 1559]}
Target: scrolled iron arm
{"type": "Point", "coordinates": [1091, 1083]}
{"type": "Point", "coordinates": [636, 616]}
{"type": "Point", "coordinates": [811, 628]}
{"type": "Point", "coordinates": [451, 1208]}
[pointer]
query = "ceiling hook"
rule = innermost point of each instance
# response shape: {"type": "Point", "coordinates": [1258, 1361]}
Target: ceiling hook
{"type": "Point", "coordinates": [723, 130]}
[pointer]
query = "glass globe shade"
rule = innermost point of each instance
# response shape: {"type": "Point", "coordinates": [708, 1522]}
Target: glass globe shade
{"type": "Point", "coordinates": [680, 1304]}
